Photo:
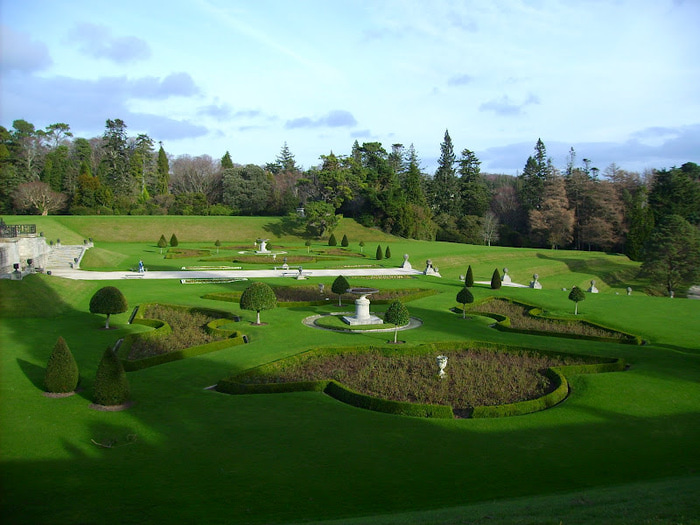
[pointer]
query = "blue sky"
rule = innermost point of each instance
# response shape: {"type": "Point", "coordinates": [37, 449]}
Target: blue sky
{"type": "Point", "coordinates": [616, 80]}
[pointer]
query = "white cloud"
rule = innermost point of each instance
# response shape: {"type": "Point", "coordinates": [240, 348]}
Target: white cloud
{"type": "Point", "coordinates": [97, 41]}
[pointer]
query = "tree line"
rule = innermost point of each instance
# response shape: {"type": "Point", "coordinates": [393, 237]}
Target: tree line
{"type": "Point", "coordinates": [575, 206]}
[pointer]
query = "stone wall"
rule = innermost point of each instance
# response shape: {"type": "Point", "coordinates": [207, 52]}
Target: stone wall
{"type": "Point", "coordinates": [17, 250]}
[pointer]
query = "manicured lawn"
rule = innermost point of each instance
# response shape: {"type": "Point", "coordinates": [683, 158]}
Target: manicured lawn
{"type": "Point", "coordinates": [623, 448]}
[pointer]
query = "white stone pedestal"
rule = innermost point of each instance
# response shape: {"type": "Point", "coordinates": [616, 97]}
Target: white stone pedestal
{"type": "Point", "coordinates": [362, 314]}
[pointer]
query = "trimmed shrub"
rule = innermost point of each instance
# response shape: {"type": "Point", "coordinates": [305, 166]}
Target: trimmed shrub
{"type": "Point", "coordinates": [62, 373]}
{"type": "Point", "coordinates": [111, 385]}
{"type": "Point", "coordinates": [464, 297]}
{"type": "Point", "coordinates": [469, 278]}
{"type": "Point", "coordinates": [258, 296]}
{"type": "Point", "coordinates": [162, 243]}
{"type": "Point", "coordinates": [332, 241]}
{"type": "Point", "coordinates": [397, 314]}
{"type": "Point", "coordinates": [576, 295]}
{"type": "Point", "coordinates": [340, 286]}
{"type": "Point", "coordinates": [173, 240]}
{"type": "Point", "coordinates": [387, 253]}
{"type": "Point", "coordinates": [108, 300]}
{"type": "Point", "coordinates": [344, 242]}
{"type": "Point", "coordinates": [379, 255]}
{"type": "Point", "coordinates": [362, 246]}
{"type": "Point", "coordinates": [496, 280]}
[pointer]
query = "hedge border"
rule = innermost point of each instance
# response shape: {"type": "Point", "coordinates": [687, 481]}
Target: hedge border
{"type": "Point", "coordinates": [163, 329]}
{"type": "Point", "coordinates": [344, 394]}
{"type": "Point", "coordinates": [503, 324]}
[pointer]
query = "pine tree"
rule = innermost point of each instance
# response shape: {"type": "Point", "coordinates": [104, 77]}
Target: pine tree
{"type": "Point", "coordinates": [496, 280]}
{"type": "Point", "coordinates": [163, 173]}
{"type": "Point", "coordinates": [444, 187]}
{"type": "Point", "coordinates": [226, 162]}
{"type": "Point", "coordinates": [469, 278]}
{"type": "Point", "coordinates": [173, 240]}
{"type": "Point", "coordinates": [62, 373]}
{"type": "Point", "coordinates": [111, 386]}
{"type": "Point", "coordinates": [387, 253]}
{"type": "Point", "coordinates": [474, 194]}
{"type": "Point", "coordinates": [379, 255]}
{"type": "Point", "coordinates": [332, 240]}
{"type": "Point", "coordinates": [344, 242]}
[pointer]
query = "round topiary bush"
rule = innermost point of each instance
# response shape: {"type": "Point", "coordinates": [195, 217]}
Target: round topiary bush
{"type": "Point", "coordinates": [62, 373]}
{"type": "Point", "coordinates": [108, 300]}
{"type": "Point", "coordinates": [111, 385]}
{"type": "Point", "coordinates": [576, 295]}
{"type": "Point", "coordinates": [340, 286]}
{"type": "Point", "coordinates": [464, 297]}
{"type": "Point", "coordinates": [397, 314]}
{"type": "Point", "coordinates": [258, 296]}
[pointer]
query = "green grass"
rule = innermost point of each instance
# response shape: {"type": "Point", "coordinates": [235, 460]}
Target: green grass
{"type": "Point", "coordinates": [621, 449]}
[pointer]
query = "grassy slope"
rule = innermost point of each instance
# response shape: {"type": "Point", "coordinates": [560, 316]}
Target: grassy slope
{"type": "Point", "coordinates": [304, 456]}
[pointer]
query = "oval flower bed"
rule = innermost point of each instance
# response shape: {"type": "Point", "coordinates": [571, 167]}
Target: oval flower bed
{"type": "Point", "coordinates": [480, 382]}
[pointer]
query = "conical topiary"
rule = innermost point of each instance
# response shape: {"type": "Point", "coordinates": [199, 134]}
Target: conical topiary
{"type": "Point", "coordinates": [173, 240]}
{"type": "Point", "coordinates": [496, 280]}
{"type": "Point", "coordinates": [380, 253]}
{"type": "Point", "coordinates": [387, 253]}
{"type": "Point", "coordinates": [111, 385]}
{"type": "Point", "coordinates": [469, 278]}
{"type": "Point", "coordinates": [62, 373]}
{"type": "Point", "coordinates": [162, 243]}
{"type": "Point", "coordinates": [332, 240]}
{"type": "Point", "coordinates": [344, 242]}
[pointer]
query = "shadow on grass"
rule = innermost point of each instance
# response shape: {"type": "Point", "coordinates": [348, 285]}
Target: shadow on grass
{"type": "Point", "coordinates": [285, 226]}
{"type": "Point", "coordinates": [34, 373]}
{"type": "Point", "coordinates": [611, 272]}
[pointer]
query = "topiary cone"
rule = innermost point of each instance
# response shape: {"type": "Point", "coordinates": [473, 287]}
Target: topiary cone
{"type": "Point", "coordinates": [62, 373]}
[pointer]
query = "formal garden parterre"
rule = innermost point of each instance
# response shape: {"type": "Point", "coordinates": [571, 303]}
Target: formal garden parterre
{"type": "Point", "coordinates": [598, 456]}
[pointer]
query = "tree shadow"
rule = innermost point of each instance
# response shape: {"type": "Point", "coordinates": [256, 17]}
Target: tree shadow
{"type": "Point", "coordinates": [34, 373]}
{"type": "Point", "coordinates": [286, 226]}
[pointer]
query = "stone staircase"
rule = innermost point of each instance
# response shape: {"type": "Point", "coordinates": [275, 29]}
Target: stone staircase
{"type": "Point", "coordinates": [65, 256]}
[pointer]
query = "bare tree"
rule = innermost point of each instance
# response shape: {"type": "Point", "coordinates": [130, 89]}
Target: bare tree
{"type": "Point", "coordinates": [38, 197]}
{"type": "Point", "coordinates": [553, 222]}
{"type": "Point", "coordinates": [489, 227]}
{"type": "Point", "coordinates": [195, 175]}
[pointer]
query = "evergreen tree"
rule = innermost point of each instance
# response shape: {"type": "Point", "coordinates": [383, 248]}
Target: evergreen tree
{"type": "Point", "coordinates": [258, 296]}
{"type": "Point", "coordinates": [332, 240]}
{"type": "Point", "coordinates": [108, 300]}
{"type": "Point", "coordinates": [173, 240]}
{"type": "Point", "coordinates": [163, 173]}
{"type": "Point", "coordinates": [576, 295]}
{"type": "Point", "coordinates": [672, 254]}
{"type": "Point", "coordinates": [445, 187]}
{"type": "Point", "coordinates": [387, 253]}
{"type": "Point", "coordinates": [114, 169]}
{"type": "Point", "coordinates": [535, 174]}
{"type": "Point", "coordinates": [111, 386]}
{"type": "Point", "coordinates": [226, 162]}
{"type": "Point", "coordinates": [62, 373]}
{"type": "Point", "coordinates": [469, 278]}
{"type": "Point", "coordinates": [496, 280]}
{"type": "Point", "coordinates": [340, 286]}
{"type": "Point", "coordinates": [474, 194]}
{"type": "Point", "coordinates": [162, 243]}
{"type": "Point", "coordinates": [344, 242]}
{"type": "Point", "coordinates": [379, 255]}
{"type": "Point", "coordinates": [641, 225]}
{"type": "Point", "coordinates": [464, 297]}
{"type": "Point", "coordinates": [413, 182]}
{"type": "Point", "coordinates": [397, 314]}
{"type": "Point", "coordinates": [285, 160]}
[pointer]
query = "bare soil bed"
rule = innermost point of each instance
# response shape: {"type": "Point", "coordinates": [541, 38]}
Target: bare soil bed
{"type": "Point", "coordinates": [520, 318]}
{"type": "Point", "coordinates": [475, 377]}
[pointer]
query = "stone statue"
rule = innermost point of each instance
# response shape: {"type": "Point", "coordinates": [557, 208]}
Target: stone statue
{"type": "Point", "coordinates": [593, 289]}
{"type": "Point", "coordinates": [506, 278]}
{"type": "Point", "coordinates": [535, 284]}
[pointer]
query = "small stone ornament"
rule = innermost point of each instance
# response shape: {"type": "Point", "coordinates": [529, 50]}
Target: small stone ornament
{"type": "Point", "coordinates": [441, 363]}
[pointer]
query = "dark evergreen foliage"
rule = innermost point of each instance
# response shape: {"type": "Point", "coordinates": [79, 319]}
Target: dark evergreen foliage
{"type": "Point", "coordinates": [62, 373]}
{"type": "Point", "coordinates": [469, 278]}
{"type": "Point", "coordinates": [111, 384]}
{"type": "Point", "coordinates": [397, 314]}
{"type": "Point", "coordinates": [496, 280]}
{"type": "Point", "coordinates": [464, 297]}
{"type": "Point", "coordinates": [344, 242]}
{"type": "Point", "coordinates": [108, 300]}
{"type": "Point", "coordinates": [173, 240]}
{"type": "Point", "coordinates": [332, 240]}
{"type": "Point", "coordinates": [379, 255]}
{"type": "Point", "coordinates": [576, 295]}
{"type": "Point", "coordinates": [258, 296]}
{"type": "Point", "coordinates": [387, 253]}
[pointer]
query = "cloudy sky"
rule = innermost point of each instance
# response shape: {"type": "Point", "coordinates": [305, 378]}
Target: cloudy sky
{"type": "Point", "coordinates": [618, 80]}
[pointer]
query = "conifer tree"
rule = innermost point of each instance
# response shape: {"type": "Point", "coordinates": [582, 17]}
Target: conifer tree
{"type": "Point", "coordinates": [387, 253]}
{"type": "Point", "coordinates": [379, 255]}
{"type": "Point", "coordinates": [469, 278]}
{"type": "Point", "coordinates": [163, 173]}
{"type": "Point", "coordinates": [62, 373]}
{"type": "Point", "coordinates": [344, 242]}
{"type": "Point", "coordinates": [444, 187]}
{"type": "Point", "coordinates": [162, 243]}
{"type": "Point", "coordinates": [332, 240]}
{"type": "Point", "coordinates": [173, 240]}
{"type": "Point", "coordinates": [496, 280]}
{"type": "Point", "coordinates": [226, 162]}
{"type": "Point", "coordinates": [111, 384]}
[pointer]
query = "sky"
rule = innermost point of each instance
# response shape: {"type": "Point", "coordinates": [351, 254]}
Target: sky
{"type": "Point", "coordinates": [617, 80]}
